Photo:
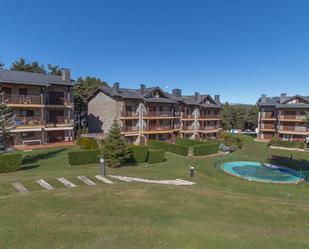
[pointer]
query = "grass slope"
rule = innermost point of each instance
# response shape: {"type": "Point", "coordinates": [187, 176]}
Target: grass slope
{"type": "Point", "coordinates": [220, 211]}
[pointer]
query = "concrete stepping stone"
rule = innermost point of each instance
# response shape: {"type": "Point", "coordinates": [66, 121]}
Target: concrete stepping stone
{"type": "Point", "coordinates": [44, 184]}
{"type": "Point", "coordinates": [86, 180]}
{"type": "Point", "coordinates": [121, 178]}
{"type": "Point", "coordinates": [66, 182]}
{"type": "Point", "coordinates": [19, 187]}
{"type": "Point", "coordinates": [103, 179]}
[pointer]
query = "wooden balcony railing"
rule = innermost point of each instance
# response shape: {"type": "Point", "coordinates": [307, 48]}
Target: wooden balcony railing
{"type": "Point", "coordinates": [294, 128]}
{"type": "Point", "coordinates": [268, 126]}
{"type": "Point", "coordinates": [59, 120]}
{"type": "Point", "coordinates": [20, 99]}
{"type": "Point", "coordinates": [28, 121]}
{"type": "Point", "coordinates": [57, 101]}
{"type": "Point", "coordinates": [129, 114]}
{"type": "Point", "coordinates": [159, 128]}
{"type": "Point", "coordinates": [185, 115]}
{"type": "Point", "coordinates": [210, 116]}
{"type": "Point", "coordinates": [292, 117]}
{"type": "Point", "coordinates": [188, 128]}
{"type": "Point", "coordinates": [160, 114]}
{"type": "Point", "coordinates": [268, 115]}
{"type": "Point", "coordinates": [209, 127]}
{"type": "Point", "coordinates": [129, 128]}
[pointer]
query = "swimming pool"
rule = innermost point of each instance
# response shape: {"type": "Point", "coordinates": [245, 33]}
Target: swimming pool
{"type": "Point", "coordinates": [256, 171]}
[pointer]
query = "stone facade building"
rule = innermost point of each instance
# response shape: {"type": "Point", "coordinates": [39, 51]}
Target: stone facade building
{"type": "Point", "coordinates": [151, 113]}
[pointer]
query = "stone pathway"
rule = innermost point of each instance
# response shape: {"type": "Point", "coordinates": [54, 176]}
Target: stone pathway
{"type": "Point", "coordinates": [19, 187]}
{"type": "Point", "coordinates": [86, 180]}
{"type": "Point", "coordinates": [45, 185]}
{"type": "Point", "coordinates": [167, 182]}
{"type": "Point", "coordinates": [66, 182]}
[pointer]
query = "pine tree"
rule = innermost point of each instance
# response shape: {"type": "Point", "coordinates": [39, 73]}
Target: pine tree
{"type": "Point", "coordinates": [226, 117]}
{"type": "Point", "coordinates": [7, 123]}
{"type": "Point", "coordinates": [115, 148]}
{"type": "Point", "coordinates": [55, 70]}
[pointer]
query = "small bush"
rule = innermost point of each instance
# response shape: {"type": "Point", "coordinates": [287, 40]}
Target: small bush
{"type": "Point", "coordinates": [155, 156]}
{"type": "Point", "coordinates": [232, 140]}
{"type": "Point", "coordinates": [275, 141]}
{"type": "Point", "coordinates": [84, 157]}
{"type": "Point", "coordinates": [188, 142]}
{"type": "Point", "coordinates": [94, 144]}
{"type": "Point", "coordinates": [170, 147]}
{"type": "Point", "coordinates": [205, 149]}
{"type": "Point", "coordinates": [139, 154]}
{"type": "Point", "coordinates": [85, 143]}
{"type": "Point", "coordinates": [10, 162]}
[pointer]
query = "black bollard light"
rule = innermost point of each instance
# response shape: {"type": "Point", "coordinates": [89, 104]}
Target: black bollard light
{"type": "Point", "coordinates": [192, 171]}
{"type": "Point", "coordinates": [102, 167]}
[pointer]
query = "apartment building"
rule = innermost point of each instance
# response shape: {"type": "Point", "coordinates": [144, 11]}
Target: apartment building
{"type": "Point", "coordinates": [151, 113]}
{"type": "Point", "coordinates": [283, 116]}
{"type": "Point", "coordinates": [42, 104]}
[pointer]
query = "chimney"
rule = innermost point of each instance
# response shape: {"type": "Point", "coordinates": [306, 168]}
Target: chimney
{"type": "Point", "coordinates": [116, 87]}
{"type": "Point", "coordinates": [217, 98]}
{"type": "Point", "coordinates": [176, 92]}
{"type": "Point", "coordinates": [282, 97]}
{"type": "Point", "coordinates": [66, 74]}
{"type": "Point", "coordinates": [196, 96]}
{"type": "Point", "coordinates": [263, 98]}
{"type": "Point", "coordinates": [142, 89]}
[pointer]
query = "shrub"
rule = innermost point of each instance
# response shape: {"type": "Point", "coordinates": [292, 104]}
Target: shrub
{"type": "Point", "coordinates": [275, 141]}
{"type": "Point", "coordinates": [232, 140]}
{"type": "Point", "coordinates": [178, 149]}
{"type": "Point", "coordinates": [187, 142]}
{"type": "Point", "coordinates": [205, 149]}
{"type": "Point", "coordinates": [156, 156]}
{"type": "Point", "coordinates": [139, 154]}
{"type": "Point", "coordinates": [84, 157]}
{"type": "Point", "coordinates": [170, 147]}
{"type": "Point", "coordinates": [94, 144]}
{"type": "Point", "coordinates": [10, 162]}
{"type": "Point", "coordinates": [85, 143]}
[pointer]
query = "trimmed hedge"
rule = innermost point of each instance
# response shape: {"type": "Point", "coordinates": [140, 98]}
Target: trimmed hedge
{"type": "Point", "coordinates": [205, 149]}
{"type": "Point", "coordinates": [232, 140]}
{"type": "Point", "coordinates": [275, 141]}
{"type": "Point", "coordinates": [139, 154]}
{"type": "Point", "coordinates": [10, 162]}
{"type": "Point", "coordinates": [84, 157]}
{"type": "Point", "coordinates": [170, 147]}
{"type": "Point", "coordinates": [84, 143]}
{"type": "Point", "coordinates": [155, 156]}
{"type": "Point", "coordinates": [188, 142]}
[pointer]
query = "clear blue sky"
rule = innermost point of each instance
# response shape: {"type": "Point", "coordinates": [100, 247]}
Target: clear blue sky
{"type": "Point", "coordinates": [238, 49]}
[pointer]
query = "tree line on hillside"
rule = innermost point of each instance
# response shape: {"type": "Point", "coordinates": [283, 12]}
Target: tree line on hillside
{"type": "Point", "coordinates": [239, 117]}
{"type": "Point", "coordinates": [81, 89]}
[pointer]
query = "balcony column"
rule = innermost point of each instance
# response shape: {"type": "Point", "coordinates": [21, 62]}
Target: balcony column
{"type": "Point", "coordinates": [43, 119]}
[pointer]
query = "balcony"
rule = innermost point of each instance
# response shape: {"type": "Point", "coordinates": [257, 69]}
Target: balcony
{"type": "Point", "coordinates": [207, 128]}
{"type": "Point", "coordinates": [18, 99]}
{"type": "Point", "coordinates": [210, 116]}
{"type": "Point", "coordinates": [130, 129]}
{"type": "Point", "coordinates": [28, 121]}
{"type": "Point", "coordinates": [294, 129]}
{"type": "Point", "coordinates": [129, 115]}
{"type": "Point", "coordinates": [296, 118]}
{"type": "Point", "coordinates": [159, 129]}
{"type": "Point", "coordinates": [188, 128]}
{"type": "Point", "coordinates": [160, 114]}
{"type": "Point", "coordinates": [188, 116]}
{"type": "Point", "coordinates": [270, 127]}
{"type": "Point", "coordinates": [268, 115]}
{"type": "Point", "coordinates": [57, 100]}
{"type": "Point", "coordinates": [59, 121]}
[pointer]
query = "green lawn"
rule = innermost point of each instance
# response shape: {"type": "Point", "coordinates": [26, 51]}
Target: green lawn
{"type": "Point", "coordinates": [220, 211]}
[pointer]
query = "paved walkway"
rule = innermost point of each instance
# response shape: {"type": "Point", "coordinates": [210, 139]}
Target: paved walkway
{"type": "Point", "coordinates": [19, 187]}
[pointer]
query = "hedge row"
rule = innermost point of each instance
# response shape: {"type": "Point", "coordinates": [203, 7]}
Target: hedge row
{"type": "Point", "coordinates": [84, 157]}
{"type": "Point", "coordinates": [139, 154]}
{"type": "Point", "coordinates": [155, 156]}
{"type": "Point", "coordinates": [87, 143]}
{"type": "Point", "coordinates": [10, 162]}
{"type": "Point", "coordinates": [205, 149]}
{"type": "Point", "coordinates": [275, 141]}
{"type": "Point", "coordinates": [188, 142]}
{"type": "Point", "coordinates": [170, 147]}
{"type": "Point", "coordinates": [232, 140]}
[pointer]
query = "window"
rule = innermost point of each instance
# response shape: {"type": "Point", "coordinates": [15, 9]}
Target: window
{"type": "Point", "coordinates": [6, 90]}
{"type": "Point", "coordinates": [27, 134]}
{"type": "Point", "coordinates": [23, 91]}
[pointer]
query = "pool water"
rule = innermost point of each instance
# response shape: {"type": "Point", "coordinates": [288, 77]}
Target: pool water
{"type": "Point", "coordinates": [255, 171]}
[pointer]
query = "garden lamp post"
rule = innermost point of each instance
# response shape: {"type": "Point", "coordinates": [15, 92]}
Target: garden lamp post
{"type": "Point", "coordinates": [192, 171]}
{"type": "Point", "coordinates": [102, 167]}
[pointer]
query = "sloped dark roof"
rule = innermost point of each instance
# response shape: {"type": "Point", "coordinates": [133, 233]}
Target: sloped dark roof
{"type": "Point", "coordinates": [18, 77]}
{"type": "Point", "coordinates": [128, 93]}
{"type": "Point", "coordinates": [282, 102]}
